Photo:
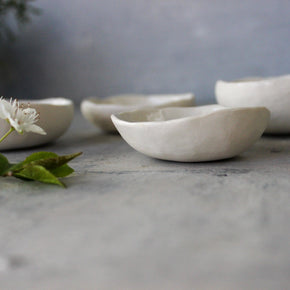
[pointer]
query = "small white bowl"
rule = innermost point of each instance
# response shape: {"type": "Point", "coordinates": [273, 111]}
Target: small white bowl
{"type": "Point", "coordinates": [55, 116]}
{"type": "Point", "coordinates": [98, 111]}
{"type": "Point", "coordinates": [193, 134]}
{"type": "Point", "coordinates": [272, 93]}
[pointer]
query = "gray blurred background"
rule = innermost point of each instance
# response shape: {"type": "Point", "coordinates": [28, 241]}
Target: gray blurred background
{"type": "Point", "coordinates": [80, 48]}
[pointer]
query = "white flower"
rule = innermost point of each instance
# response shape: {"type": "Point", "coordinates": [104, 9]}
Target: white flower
{"type": "Point", "coordinates": [22, 120]}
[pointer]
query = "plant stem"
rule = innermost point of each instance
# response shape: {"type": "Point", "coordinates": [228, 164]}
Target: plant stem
{"type": "Point", "coordinates": [9, 132]}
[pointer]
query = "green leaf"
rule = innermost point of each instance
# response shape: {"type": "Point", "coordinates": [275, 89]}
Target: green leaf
{"type": "Point", "coordinates": [62, 171]}
{"type": "Point", "coordinates": [38, 173]}
{"type": "Point", "coordinates": [33, 157]}
{"type": "Point", "coordinates": [48, 160]}
{"type": "Point", "coordinates": [40, 166]}
{"type": "Point", "coordinates": [55, 162]}
{"type": "Point", "coordinates": [4, 164]}
{"type": "Point", "coordinates": [39, 155]}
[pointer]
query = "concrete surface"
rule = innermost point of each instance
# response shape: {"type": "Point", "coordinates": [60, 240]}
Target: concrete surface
{"type": "Point", "coordinates": [127, 221]}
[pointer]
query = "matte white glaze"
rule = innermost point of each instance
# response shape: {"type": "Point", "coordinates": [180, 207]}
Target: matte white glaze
{"type": "Point", "coordinates": [193, 134]}
{"type": "Point", "coordinates": [55, 115]}
{"type": "Point", "coordinates": [272, 93]}
{"type": "Point", "coordinates": [98, 111]}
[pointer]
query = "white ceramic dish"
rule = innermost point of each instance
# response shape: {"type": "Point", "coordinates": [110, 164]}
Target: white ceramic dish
{"type": "Point", "coordinates": [272, 93]}
{"type": "Point", "coordinates": [55, 116]}
{"type": "Point", "coordinates": [193, 134]}
{"type": "Point", "coordinates": [98, 111]}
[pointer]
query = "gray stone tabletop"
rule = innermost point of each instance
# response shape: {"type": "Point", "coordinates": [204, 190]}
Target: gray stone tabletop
{"type": "Point", "coordinates": [127, 221]}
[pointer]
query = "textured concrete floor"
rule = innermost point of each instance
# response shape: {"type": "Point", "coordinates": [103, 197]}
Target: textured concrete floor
{"type": "Point", "coordinates": [127, 221]}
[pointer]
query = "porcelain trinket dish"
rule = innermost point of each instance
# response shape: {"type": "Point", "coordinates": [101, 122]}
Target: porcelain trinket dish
{"type": "Point", "coordinates": [193, 134]}
{"type": "Point", "coordinates": [55, 116]}
{"type": "Point", "coordinates": [98, 111]}
{"type": "Point", "coordinates": [272, 93]}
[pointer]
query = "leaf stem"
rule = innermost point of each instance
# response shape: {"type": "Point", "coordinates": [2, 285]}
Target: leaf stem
{"type": "Point", "coordinates": [5, 135]}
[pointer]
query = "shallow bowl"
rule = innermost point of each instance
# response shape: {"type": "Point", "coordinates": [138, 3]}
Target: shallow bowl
{"type": "Point", "coordinates": [193, 134]}
{"type": "Point", "coordinates": [272, 93]}
{"type": "Point", "coordinates": [55, 116]}
{"type": "Point", "coordinates": [98, 111]}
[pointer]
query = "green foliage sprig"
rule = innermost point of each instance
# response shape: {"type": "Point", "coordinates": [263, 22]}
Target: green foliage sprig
{"type": "Point", "coordinates": [14, 13]}
{"type": "Point", "coordinates": [45, 167]}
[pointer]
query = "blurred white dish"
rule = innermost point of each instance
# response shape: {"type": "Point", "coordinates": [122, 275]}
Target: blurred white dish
{"type": "Point", "coordinates": [272, 93]}
{"type": "Point", "coordinates": [98, 111]}
{"type": "Point", "coordinates": [55, 116]}
{"type": "Point", "coordinates": [193, 134]}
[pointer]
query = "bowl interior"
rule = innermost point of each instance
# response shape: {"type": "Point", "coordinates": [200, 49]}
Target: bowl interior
{"type": "Point", "coordinates": [167, 114]}
{"type": "Point", "coordinates": [48, 101]}
{"type": "Point", "coordinates": [141, 100]}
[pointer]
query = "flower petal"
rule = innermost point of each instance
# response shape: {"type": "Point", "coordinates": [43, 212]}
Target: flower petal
{"type": "Point", "coordinates": [4, 109]}
{"type": "Point", "coordinates": [22, 120]}
{"type": "Point", "coordinates": [15, 124]}
{"type": "Point", "coordinates": [2, 112]}
{"type": "Point", "coordinates": [35, 129]}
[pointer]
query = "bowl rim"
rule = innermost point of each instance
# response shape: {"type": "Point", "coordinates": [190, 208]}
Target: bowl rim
{"type": "Point", "coordinates": [255, 80]}
{"type": "Point", "coordinates": [99, 101]}
{"type": "Point", "coordinates": [58, 101]}
{"type": "Point", "coordinates": [222, 109]}
{"type": "Point", "coordinates": [53, 101]}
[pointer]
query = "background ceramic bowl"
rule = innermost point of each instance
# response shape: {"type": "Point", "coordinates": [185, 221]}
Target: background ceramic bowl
{"type": "Point", "coordinates": [193, 134]}
{"type": "Point", "coordinates": [272, 93]}
{"type": "Point", "coordinates": [55, 115]}
{"type": "Point", "coordinates": [98, 111]}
